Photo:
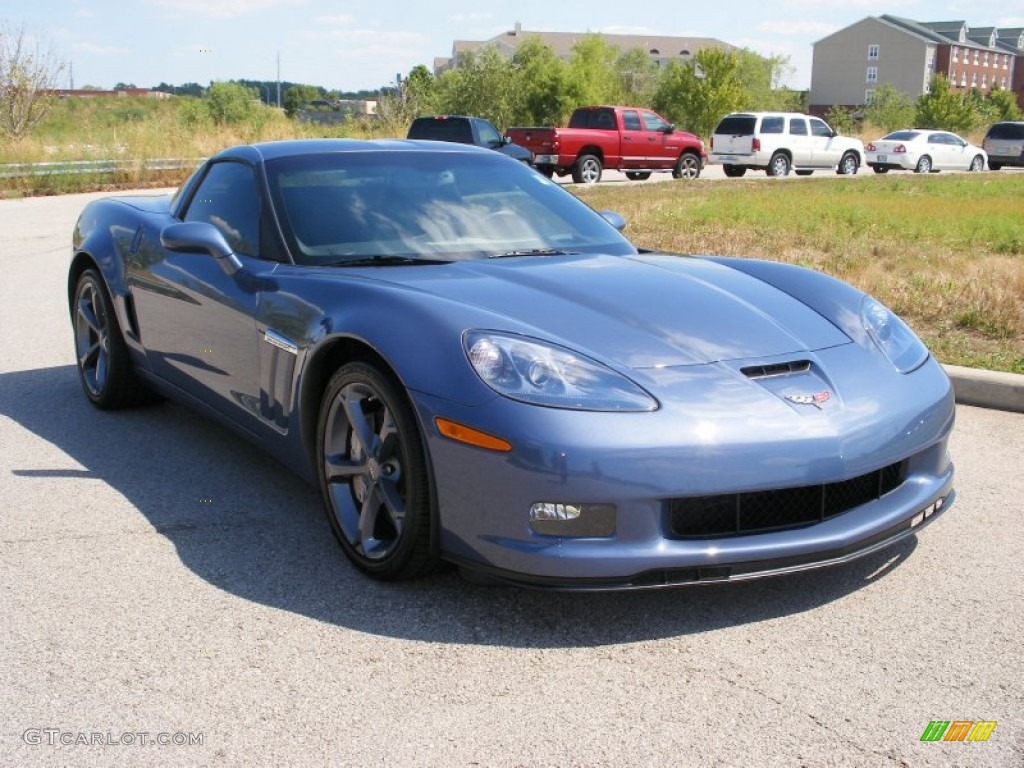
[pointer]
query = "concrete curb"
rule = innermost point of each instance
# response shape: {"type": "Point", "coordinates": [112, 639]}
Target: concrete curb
{"type": "Point", "coordinates": [987, 389]}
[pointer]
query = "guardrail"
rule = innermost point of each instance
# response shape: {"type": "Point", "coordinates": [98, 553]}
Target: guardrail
{"type": "Point", "coordinates": [64, 167]}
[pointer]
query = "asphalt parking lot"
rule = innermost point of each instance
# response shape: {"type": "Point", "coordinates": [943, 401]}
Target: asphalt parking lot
{"type": "Point", "coordinates": [161, 580]}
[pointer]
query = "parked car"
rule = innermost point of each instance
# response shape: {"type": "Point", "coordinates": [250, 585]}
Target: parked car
{"type": "Point", "coordinates": [467, 130]}
{"type": "Point", "coordinates": [924, 151]}
{"type": "Point", "coordinates": [474, 366]}
{"type": "Point", "coordinates": [778, 142]}
{"type": "Point", "coordinates": [1004, 145]}
{"type": "Point", "coordinates": [637, 141]}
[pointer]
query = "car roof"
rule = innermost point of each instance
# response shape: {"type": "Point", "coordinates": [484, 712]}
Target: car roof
{"type": "Point", "coordinates": [272, 150]}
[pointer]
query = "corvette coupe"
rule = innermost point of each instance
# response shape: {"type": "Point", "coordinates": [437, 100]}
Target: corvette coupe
{"type": "Point", "coordinates": [475, 367]}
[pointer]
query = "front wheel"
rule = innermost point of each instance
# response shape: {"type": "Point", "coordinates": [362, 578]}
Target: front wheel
{"type": "Point", "coordinates": [848, 165]}
{"type": "Point", "coordinates": [734, 171]}
{"type": "Point", "coordinates": [638, 175]}
{"type": "Point", "coordinates": [977, 164]}
{"type": "Point", "coordinates": [587, 169]}
{"type": "Point", "coordinates": [924, 165]}
{"type": "Point", "coordinates": [104, 364]}
{"type": "Point", "coordinates": [687, 167]}
{"type": "Point", "coordinates": [373, 474]}
{"type": "Point", "coordinates": [778, 166]}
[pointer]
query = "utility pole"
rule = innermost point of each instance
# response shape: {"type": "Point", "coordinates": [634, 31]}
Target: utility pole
{"type": "Point", "coordinates": [278, 79]}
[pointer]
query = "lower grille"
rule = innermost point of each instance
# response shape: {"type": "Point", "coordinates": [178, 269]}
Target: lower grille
{"type": "Point", "coordinates": [760, 511]}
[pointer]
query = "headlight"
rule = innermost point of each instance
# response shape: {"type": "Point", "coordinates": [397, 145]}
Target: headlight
{"type": "Point", "coordinates": [891, 335]}
{"type": "Point", "coordinates": [544, 374]}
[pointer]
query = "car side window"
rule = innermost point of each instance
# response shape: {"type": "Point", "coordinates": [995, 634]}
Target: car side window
{"type": "Point", "coordinates": [773, 124]}
{"type": "Point", "coordinates": [489, 135]}
{"type": "Point", "coordinates": [936, 138]}
{"type": "Point", "coordinates": [820, 128]}
{"type": "Point", "coordinates": [798, 127]}
{"type": "Point", "coordinates": [631, 120]}
{"type": "Point", "coordinates": [227, 198]}
{"type": "Point", "coordinates": [605, 121]}
{"type": "Point", "coordinates": [654, 123]}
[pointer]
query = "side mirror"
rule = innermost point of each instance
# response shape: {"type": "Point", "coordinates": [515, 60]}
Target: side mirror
{"type": "Point", "coordinates": [506, 139]}
{"type": "Point", "coordinates": [200, 237]}
{"type": "Point", "coordinates": [614, 219]}
{"type": "Point", "coordinates": [670, 128]}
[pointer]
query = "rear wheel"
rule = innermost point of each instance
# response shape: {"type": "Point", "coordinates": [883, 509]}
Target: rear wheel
{"type": "Point", "coordinates": [879, 169]}
{"type": "Point", "coordinates": [587, 169]}
{"type": "Point", "coordinates": [977, 164]}
{"type": "Point", "coordinates": [373, 474]}
{"type": "Point", "coordinates": [994, 166]}
{"type": "Point", "coordinates": [924, 165]}
{"type": "Point", "coordinates": [778, 166]}
{"type": "Point", "coordinates": [638, 175]}
{"type": "Point", "coordinates": [848, 165]}
{"type": "Point", "coordinates": [546, 170]}
{"type": "Point", "coordinates": [734, 171]}
{"type": "Point", "coordinates": [687, 167]}
{"type": "Point", "coordinates": [104, 364]}
{"type": "Point", "coordinates": [803, 173]}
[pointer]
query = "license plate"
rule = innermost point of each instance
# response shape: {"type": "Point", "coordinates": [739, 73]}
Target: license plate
{"type": "Point", "coordinates": [883, 158]}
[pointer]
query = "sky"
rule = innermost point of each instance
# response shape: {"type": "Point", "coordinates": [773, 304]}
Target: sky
{"type": "Point", "coordinates": [352, 46]}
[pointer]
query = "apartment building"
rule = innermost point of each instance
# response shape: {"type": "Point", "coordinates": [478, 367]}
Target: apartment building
{"type": "Point", "coordinates": [850, 64]}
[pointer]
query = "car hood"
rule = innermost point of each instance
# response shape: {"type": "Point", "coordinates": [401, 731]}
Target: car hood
{"type": "Point", "coordinates": [639, 312]}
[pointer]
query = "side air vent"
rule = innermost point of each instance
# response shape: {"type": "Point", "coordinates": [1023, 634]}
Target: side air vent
{"type": "Point", "coordinates": [776, 369]}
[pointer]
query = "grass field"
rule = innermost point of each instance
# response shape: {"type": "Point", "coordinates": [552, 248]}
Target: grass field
{"type": "Point", "coordinates": [945, 252]}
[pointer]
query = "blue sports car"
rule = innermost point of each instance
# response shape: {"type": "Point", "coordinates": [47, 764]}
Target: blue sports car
{"type": "Point", "coordinates": [477, 368]}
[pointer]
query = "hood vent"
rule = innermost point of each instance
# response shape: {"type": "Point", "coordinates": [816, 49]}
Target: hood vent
{"type": "Point", "coordinates": [776, 369]}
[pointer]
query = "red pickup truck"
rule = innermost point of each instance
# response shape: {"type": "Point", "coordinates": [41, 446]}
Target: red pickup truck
{"type": "Point", "coordinates": [629, 139]}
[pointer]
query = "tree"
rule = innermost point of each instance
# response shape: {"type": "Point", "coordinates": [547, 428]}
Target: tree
{"type": "Point", "coordinates": [29, 72]}
{"type": "Point", "coordinates": [944, 109]}
{"type": "Point", "coordinates": [298, 96]}
{"type": "Point", "coordinates": [761, 77]}
{"type": "Point", "coordinates": [483, 85]}
{"type": "Point", "coordinates": [1003, 106]}
{"type": "Point", "coordinates": [697, 95]}
{"type": "Point", "coordinates": [637, 74]}
{"type": "Point", "coordinates": [593, 78]}
{"type": "Point", "coordinates": [541, 80]}
{"type": "Point", "coordinates": [841, 120]}
{"type": "Point", "coordinates": [890, 109]}
{"type": "Point", "coordinates": [232, 104]}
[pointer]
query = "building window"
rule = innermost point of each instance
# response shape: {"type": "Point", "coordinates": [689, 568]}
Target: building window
{"type": "Point", "coordinates": [976, 57]}
{"type": "Point", "coordinates": [986, 58]}
{"type": "Point", "coordinates": [956, 54]}
{"type": "Point", "coordinates": [1006, 61]}
{"type": "Point", "coordinates": [930, 66]}
{"type": "Point", "coordinates": [952, 78]}
{"type": "Point", "coordinates": [872, 76]}
{"type": "Point", "coordinates": [869, 96]}
{"type": "Point", "coordinates": [873, 51]}
{"type": "Point", "coordinates": [974, 79]}
{"type": "Point", "coordinates": [963, 80]}
{"type": "Point", "coordinates": [984, 81]}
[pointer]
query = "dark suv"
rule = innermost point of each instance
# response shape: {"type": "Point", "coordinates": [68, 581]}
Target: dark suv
{"type": "Point", "coordinates": [467, 130]}
{"type": "Point", "coordinates": [1004, 144]}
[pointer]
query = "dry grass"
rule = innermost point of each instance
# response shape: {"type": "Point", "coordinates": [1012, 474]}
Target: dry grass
{"type": "Point", "coordinates": [945, 252]}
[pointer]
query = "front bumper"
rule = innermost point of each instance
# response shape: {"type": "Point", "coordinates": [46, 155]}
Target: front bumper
{"type": "Point", "coordinates": [642, 462]}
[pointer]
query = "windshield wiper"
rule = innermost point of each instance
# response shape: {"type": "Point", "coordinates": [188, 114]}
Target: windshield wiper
{"type": "Point", "coordinates": [381, 261]}
{"type": "Point", "coordinates": [532, 252]}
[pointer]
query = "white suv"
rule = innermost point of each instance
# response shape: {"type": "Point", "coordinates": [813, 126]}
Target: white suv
{"type": "Point", "coordinates": [778, 142]}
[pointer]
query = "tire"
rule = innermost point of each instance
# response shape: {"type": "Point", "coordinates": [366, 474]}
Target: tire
{"type": "Point", "coordinates": [587, 169]}
{"type": "Point", "coordinates": [373, 475]}
{"type": "Point", "coordinates": [638, 175]}
{"type": "Point", "coordinates": [848, 165]}
{"type": "Point", "coordinates": [977, 164]}
{"type": "Point", "coordinates": [994, 166]}
{"type": "Point", "coordinates": [104, 364]}
{"type": "Point", "coordinates": [545, 170]}
{"type": "Point", "coordinates": [879, 169]}
{"type": "Point", "coordinates": [734, 171]}
{"type": "Point", "coordinates": [924, 165]}
{"type": "Point", "coordinates": [778, 166]}
{"type": "Point", "coordinates": [803, 173]}
{"type": "Point", "coordinates": [687, 166]}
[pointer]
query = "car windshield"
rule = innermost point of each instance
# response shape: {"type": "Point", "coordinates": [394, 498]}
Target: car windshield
{"type": "Point", "coordinates": [901, 136]}
{"type": "Point", "coordinates": [399, 206]}
{"type": "Point", "coordinates": [1006, 131]}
